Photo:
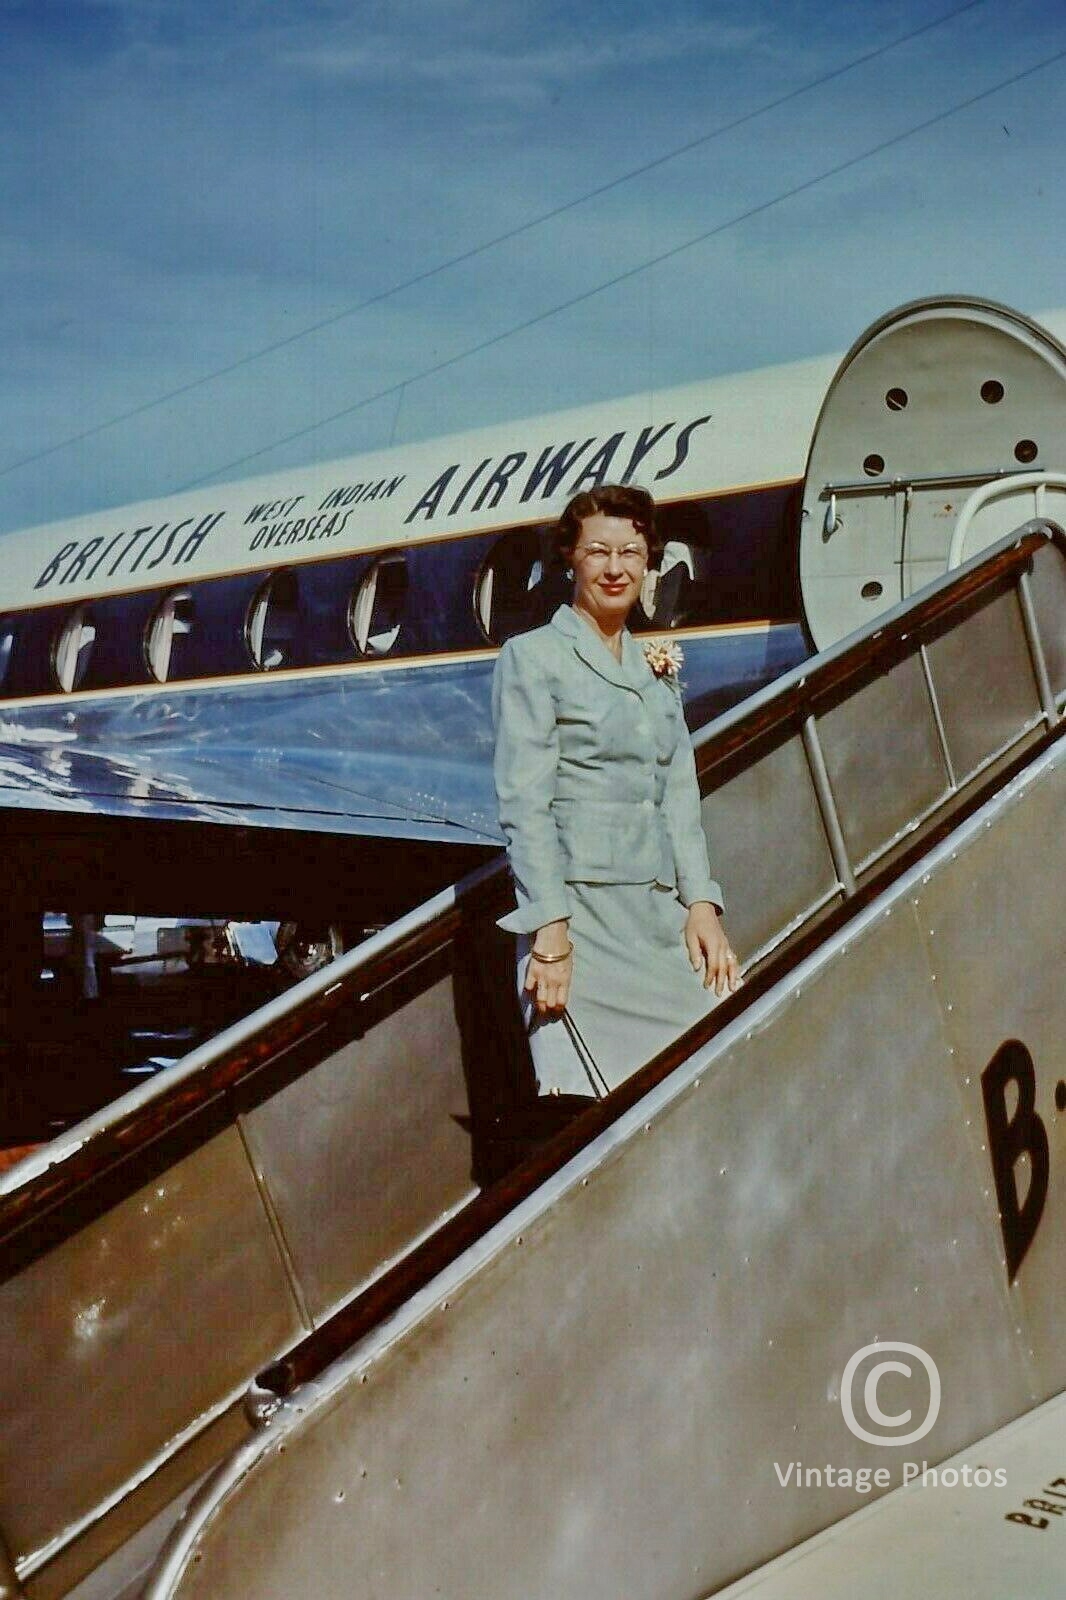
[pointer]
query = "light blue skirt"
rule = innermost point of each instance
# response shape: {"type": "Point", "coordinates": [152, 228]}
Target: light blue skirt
{"type": "Point", "coordinates": [633, 989]}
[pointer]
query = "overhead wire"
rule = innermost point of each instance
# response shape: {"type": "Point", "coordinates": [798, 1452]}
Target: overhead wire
{"type": "Point", "coordinates": [464, 256]}
{"type": "Point", "coordinates": [634, 271]}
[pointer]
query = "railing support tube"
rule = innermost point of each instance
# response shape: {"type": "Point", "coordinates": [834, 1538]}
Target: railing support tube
{"type": "Point", "coordinates": [827, 806]}
{"type": "Point", "coordinates": [1036, 650]}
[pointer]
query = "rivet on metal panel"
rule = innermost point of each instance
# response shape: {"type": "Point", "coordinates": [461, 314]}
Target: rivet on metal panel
{"type": "Point", "coordinates": [362, 1472]}
{"type": "Point", "coordinates": [769, 1344]}
{"type": "Point", "coordinates": [398, 1483]}
{"type": "Point", "coordinates": [519, 1240]}
{"type": "Point", "coordinates": [339, 1496]}
{"type": "Point", "coordinates": [584, 1183]}
{"type": "Point", "coordinates": [444, 1305]}
{"type": "Point", "coordinates": [932, 977]}
{"type": "Point", "coordinates": [647, 1127]}
{"type": "Point", "coordinates": [950, 1006]}
{"type": "Point", "coordinates": [722, 1171]}
{"type": "Point", "coordinates": [362, 1377]}
{"type": "Point", "coordinates": [697, 1081]}
{"type": "Point", "coordinates": [924, 880]}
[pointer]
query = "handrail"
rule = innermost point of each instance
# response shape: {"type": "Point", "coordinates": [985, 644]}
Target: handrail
{"type": "Point", "coordinates": [997, 490]}
{"type": "Point", "coordinates": [53, 1176]}
{"type": "Point", "coordinates": [927, 480]}
{"type": "Point", "coordinates": [785, 702]}
{"type": "Point", "coordinates": [54, 1172]}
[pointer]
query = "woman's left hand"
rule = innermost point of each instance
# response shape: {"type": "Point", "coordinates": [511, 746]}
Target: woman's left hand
{"type": "Point", "coordinates": [708, 947]}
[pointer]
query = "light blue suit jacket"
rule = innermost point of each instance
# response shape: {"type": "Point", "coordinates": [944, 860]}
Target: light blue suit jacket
{"type": "Point", "coordinates": [594, 772]}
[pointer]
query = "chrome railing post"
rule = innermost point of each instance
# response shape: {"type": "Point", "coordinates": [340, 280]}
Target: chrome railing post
{"type": "Point", "coordinates": [938, 720]}
{"type": "Point", "coordinates": [1036, 650]}
{"type": "Point", "coordinates": [827, 805]}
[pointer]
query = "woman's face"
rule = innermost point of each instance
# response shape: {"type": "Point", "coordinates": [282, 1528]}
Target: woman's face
{"type": "Point", "coordinates": [609, 561]}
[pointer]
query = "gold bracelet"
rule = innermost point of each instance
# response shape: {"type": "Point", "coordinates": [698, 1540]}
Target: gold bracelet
{"type": "Point", "coordinates": [549, 959]}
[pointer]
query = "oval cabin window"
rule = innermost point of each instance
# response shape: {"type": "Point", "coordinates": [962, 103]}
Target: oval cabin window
{"type": "Point", "coordinates": [172, 620]}
{"type": "Point", "coordinates": [504, 599]}
{"type": "Point", "coordinates": [667, 593]}
{"type": "Point", "coordinates": [271, 626]}
{"type": "Point", "coordinates": [74, 649]}
{"type": "Point", "coordinates": [376, 612]}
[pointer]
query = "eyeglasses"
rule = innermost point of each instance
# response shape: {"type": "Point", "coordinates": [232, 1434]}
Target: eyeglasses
{"type": "Point", "coordinates": [598, 555]}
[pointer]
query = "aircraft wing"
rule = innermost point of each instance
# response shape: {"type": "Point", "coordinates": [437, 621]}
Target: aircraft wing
{"type": "Point", "coordinates": [404, 752]}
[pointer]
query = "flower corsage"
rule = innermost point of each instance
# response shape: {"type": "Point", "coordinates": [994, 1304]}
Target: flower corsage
{"type": "Point", "coordinates": [665, 658]}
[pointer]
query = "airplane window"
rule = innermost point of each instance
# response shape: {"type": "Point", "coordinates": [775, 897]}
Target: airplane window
{"type": "Point", "coordinates": [376, 610]}
{"type": "Point", "coordinates": [666, 595]}
{"type": "Point", "coordinates": [74, 649]}
{"type": "Point", "coordinates": [504, 601]}
{"type": "Point", "coordinates": [173, 618]}
{"type": "Point", "coordinates": [7, 644]}
{"type": "Point", "coordinates": [271, 625]}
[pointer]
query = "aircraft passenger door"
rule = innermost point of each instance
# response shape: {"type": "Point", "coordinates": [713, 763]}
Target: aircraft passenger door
{"type": "Point", "coordinates": [934, 400]}
{"type": "Point", "coordinates": [851, 555]}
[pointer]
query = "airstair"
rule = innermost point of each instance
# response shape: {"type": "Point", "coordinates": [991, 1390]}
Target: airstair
{"type": "Point", "coordinates": [330, 1278]}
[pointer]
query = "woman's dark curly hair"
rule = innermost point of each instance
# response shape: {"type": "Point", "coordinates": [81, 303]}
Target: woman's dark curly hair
{"type": "Point", "coordinates": [614, 500]}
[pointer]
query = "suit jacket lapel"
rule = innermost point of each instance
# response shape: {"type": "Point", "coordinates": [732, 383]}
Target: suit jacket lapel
{"type": "Point", "coordinates": [635, 663]}
{"type": "Point", "coordinates": [593, 652]}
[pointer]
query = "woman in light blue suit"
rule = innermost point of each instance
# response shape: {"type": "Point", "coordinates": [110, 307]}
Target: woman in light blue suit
{"type": "Point", "coordinates": [620, 944]}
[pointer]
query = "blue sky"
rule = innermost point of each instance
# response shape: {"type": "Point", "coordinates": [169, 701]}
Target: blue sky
{"type": "Point", "coordinates": [186, 182]}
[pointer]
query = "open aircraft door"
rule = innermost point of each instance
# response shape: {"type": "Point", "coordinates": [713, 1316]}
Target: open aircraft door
{"type": "Point", "coordinates": [935, 402]}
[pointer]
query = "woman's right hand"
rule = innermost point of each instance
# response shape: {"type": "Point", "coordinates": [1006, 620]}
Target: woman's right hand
{"type": "Point", "coordinates": [549, 981]}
